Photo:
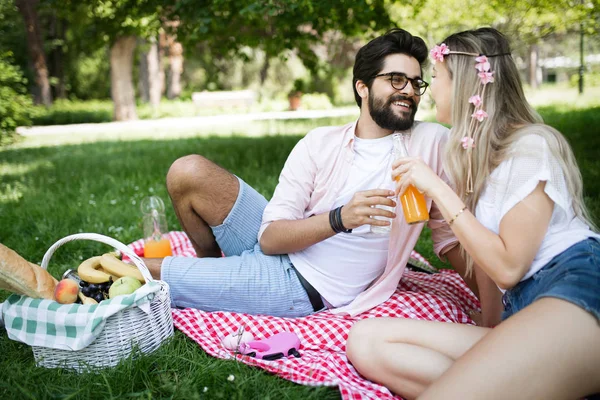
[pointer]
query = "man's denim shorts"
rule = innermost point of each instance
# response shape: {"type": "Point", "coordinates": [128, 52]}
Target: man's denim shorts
{"type": "Point", "coordinates": [573, 276]}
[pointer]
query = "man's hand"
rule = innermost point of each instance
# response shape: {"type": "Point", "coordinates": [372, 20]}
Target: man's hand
{"type": "Point", "coordinates": [361, 208]}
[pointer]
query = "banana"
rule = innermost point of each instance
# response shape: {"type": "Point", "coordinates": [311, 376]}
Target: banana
{"type": "Point", "coordinates": [114, 266]}
{"type": "Point", "coordinates": [86, 300]}
{"type": "Point", "coordinates": [88, 271]}
{"type": "Point", "coordinates": [113, 277]}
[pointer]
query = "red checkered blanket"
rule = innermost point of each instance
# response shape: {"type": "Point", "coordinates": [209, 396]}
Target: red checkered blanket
{"type": "Point", "coordinates": [438, 297]}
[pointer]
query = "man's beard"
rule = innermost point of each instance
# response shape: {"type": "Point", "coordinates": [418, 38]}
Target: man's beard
{"type": "Point", "coordinates": [384, 116]}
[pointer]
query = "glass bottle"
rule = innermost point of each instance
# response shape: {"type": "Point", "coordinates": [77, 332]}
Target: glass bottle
{"type": "Point", "coordinates": [156, 244]}
{"type": "Point", "coordinates": [413, 202]}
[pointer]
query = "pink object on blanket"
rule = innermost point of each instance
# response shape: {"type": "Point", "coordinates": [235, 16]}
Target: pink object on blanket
{"type": "Point", "coordinates": [435, 297]}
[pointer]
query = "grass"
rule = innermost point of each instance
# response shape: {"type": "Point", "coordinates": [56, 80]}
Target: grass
{"type": "Point", "coordinates": [48, 192]}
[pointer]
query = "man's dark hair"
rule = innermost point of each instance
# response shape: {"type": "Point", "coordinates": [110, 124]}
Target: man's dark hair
{"type": "Point", "coordinates": [370, 58]}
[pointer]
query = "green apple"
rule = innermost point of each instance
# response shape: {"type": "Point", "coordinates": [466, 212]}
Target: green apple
{"type": "Point", "coordinates": [122, 286]}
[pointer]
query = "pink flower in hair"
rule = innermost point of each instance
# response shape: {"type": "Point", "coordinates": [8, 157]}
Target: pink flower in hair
{"type": "Point", "coordinates": [480, 115]}
{"type": "Point", "coordinates": [475, 100]}
{"type": "Point", "coordinates": [486, 77]}
{"type": "Point", "coordinates": [467, 142]}
{"type": "Point", "coordinates": [483, 65]}
{"type": "Point", "coordinates": [438, 52]}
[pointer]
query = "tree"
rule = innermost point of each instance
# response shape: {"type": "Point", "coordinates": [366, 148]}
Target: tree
{"type": "Point", "coordinates": [15, 104]}
{"type": "Point", "coordinates": [28, 10]}
{"type": "Point", "coordinates": [527, 23]}
{"type": "Point", "coordinates": [229, 27]}
{"type": "Point", "coordinates": [117, 23]}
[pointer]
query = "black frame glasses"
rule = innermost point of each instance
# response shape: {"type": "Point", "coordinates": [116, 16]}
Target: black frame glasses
{"type": "Point", "coordinates": [399, 80]}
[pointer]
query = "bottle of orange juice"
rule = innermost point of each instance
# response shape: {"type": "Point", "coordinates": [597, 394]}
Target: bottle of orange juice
{"type": "Point", "coordinates": [413, 201]}
{"type": "Point", "coordinates": [156, 244]}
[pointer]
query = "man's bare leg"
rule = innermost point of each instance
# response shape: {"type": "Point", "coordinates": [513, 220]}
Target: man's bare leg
{"type": "Point", "coordinates": [202, 194]}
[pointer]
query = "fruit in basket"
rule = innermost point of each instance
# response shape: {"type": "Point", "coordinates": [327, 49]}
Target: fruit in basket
{"type": "Point", "coordinates": [88, 271]}
{"type": "Point", "coordinates": [66, 291]}
{"type": "Point", "coordinates": [124, 285]}
{"type": "Point", "coordinates": [114, 266]}
{"type": "Point", "coordinates": [86, 300]}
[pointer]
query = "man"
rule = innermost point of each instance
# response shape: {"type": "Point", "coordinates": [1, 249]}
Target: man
{"type": "Point", "coordinates": [297, 254]}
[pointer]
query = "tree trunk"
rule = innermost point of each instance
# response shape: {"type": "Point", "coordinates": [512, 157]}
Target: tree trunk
{"type": "Point", "coordinates": [162, 45]}
{"type": "Point", "coordinates": [121, 78]}
{"type": "Point", "coordinates": [150, 82]}
{"type": "Point", "coordinates": [56, 56]}
{"type": "Point", "coordinates": [533, 66]}
{"type": "Point", "coordinates": [175, 68]}
{"type": "Point", "coordinates": [27, 8]}
{"type": "Point", "coordinates": [143, 82]}
{"type": "Point", "coordinates": [264, 70]}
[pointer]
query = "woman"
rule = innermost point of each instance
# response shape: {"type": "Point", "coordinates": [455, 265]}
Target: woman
{"type": "Point", "coordinates": [518, 211]}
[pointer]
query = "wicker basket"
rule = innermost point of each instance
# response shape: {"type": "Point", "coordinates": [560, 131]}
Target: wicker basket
{"type": "Point", "coordinates": [125, 331]}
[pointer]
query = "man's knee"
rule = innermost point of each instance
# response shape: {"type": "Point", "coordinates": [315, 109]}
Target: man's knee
{"type": "Point", "coordinates": [188, 173]}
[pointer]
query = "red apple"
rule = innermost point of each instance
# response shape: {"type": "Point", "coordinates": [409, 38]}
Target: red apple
{"type": "Point", "coordinates": [66, 291]}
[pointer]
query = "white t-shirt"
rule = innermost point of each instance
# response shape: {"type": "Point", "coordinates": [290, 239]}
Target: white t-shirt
{"type": "Point", "coordinates": [514, 179]}
{"type": "Point", "coordinates": [344, 265]}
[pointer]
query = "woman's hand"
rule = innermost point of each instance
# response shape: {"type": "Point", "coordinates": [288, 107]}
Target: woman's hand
{"type": "Point", "coordinates": [413, 171]}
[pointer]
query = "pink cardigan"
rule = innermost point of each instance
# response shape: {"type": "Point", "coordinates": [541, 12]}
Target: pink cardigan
{"type": "Point", "coordinates": [315, 172]}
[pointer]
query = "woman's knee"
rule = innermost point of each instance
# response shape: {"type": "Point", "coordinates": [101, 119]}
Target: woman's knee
{"type": "Point", "coordinates": [359, 346]}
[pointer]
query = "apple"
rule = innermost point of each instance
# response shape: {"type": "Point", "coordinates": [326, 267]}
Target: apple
{"type": "Point", "coordinates": [122, 286]}
{"type": "Point", "coordinates": [66, 291]}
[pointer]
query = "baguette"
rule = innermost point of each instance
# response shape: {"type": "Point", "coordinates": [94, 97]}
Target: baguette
{"type": "Point", "coordinates": [22, 277]}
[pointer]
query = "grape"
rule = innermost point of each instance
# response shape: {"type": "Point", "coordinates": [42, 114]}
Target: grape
{"type": "Point", "coordinates": [87, 291]}
{"type": "Point", "coordinates": [83, 284]}
{"type": "Point", "coordinates": [98, 297]}
{"type": "Point", "coordinates": [105, 286]}
{"type": "Point", "coordinates": [94, 287]}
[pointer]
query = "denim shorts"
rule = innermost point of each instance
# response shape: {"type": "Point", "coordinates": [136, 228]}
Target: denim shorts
{"type": "Point", "coordinates": [246, 280]}
{"type": "Point", "coordinates": [573, 276]}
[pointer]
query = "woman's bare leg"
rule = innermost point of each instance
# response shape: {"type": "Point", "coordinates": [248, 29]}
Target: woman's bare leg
{"type": "Point", "coordinates": [407, 355]}
{"type": "Point", "coordinates": [549, 350]}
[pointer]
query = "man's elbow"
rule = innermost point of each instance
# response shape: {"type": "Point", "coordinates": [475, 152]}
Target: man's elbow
{"type": "Point", "coordinates": [267, 243]}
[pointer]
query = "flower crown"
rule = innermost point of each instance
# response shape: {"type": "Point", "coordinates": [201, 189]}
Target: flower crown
{"type": "Point", "coordinates": [486, 75]}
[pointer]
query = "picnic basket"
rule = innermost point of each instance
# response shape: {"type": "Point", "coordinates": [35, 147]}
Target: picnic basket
{"type": "Point", "coordinates": [124, 332]}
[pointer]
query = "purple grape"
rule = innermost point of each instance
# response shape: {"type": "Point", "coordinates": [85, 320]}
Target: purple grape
{"type": "Point", "coordinates": [83, 284]}
{"type": "Point", "coordinates": [98, 297]}
{"type": "Point", "coordinates": [86, 291]}
{"type": "Point", "coordinates": [94, 287]}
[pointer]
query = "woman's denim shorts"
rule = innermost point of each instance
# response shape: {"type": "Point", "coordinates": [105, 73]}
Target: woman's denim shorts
{"type": "Point", "coordinates": [573, 276]}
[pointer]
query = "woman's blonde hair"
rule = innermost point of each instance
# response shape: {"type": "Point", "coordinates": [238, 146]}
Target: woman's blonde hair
{"type": "Point", "coordinates": [508, 112]}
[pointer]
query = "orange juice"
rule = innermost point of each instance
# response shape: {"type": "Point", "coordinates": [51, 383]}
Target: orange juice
{"type": "Point", "coordinates": [157, 249]}
{"type": "Point", "coordinates": [414, 206]}
{"type": "Point", "coordinates": [413, 201]}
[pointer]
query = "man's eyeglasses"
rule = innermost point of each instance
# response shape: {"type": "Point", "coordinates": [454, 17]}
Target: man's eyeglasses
{"type": "Point", "coordinates": [400, 80]}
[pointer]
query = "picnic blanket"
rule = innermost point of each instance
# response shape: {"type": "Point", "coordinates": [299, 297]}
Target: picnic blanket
{"type": "Point", "coordinates": [440, 296]}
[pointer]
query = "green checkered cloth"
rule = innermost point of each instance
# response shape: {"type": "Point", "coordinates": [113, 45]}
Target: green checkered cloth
{"type": "Point", "coordinates": [46, 323]}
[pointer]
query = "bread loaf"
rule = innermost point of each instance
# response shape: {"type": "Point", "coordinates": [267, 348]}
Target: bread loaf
{"type": "Point", "coordinates": [22, 277]}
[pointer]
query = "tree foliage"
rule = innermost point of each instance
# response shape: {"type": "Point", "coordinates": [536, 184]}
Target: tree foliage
{"type": "Point", "coordinates": [15, 104]}
{"type": "Point", "coordinates": [230, 27]}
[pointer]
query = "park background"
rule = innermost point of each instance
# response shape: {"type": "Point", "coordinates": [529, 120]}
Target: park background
{"type": "Point", "coordinates": [96, 102]}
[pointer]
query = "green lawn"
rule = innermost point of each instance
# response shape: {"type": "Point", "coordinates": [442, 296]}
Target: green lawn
{"type": "Point", "coordinates": [49, 192]}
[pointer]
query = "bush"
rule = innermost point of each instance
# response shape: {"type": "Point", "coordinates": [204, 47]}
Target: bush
{"type": "Point", "coordinates": [15, 105]}
{"type": "Point", "coordinates": [316, 101]}
{"type": "Point", "coordinates": [589, 79]}
{"type": "Point", "coordinates": [64, 112]}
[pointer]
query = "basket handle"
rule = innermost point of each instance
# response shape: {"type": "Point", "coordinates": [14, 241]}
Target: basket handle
{"type": "Point", "coordinates": [102, 239]}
